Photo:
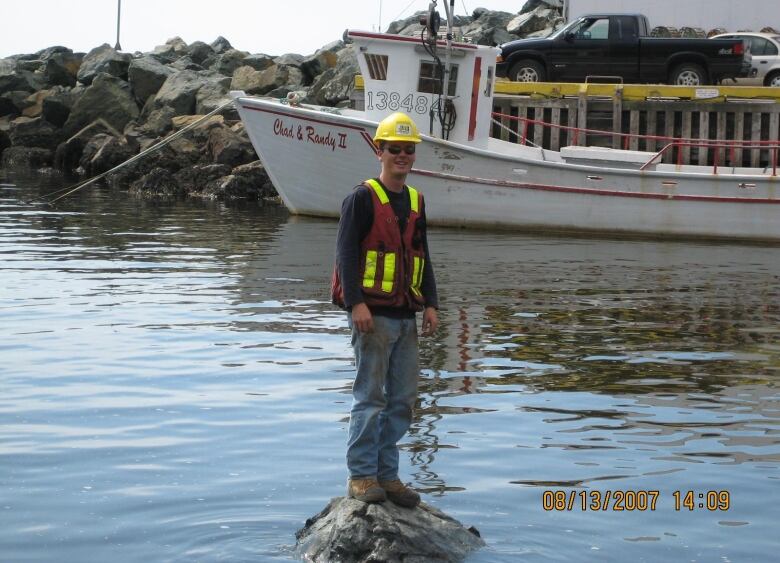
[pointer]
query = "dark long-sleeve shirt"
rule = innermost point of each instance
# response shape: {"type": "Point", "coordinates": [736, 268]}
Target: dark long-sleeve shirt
{"type": "Point", "coordinates": [357, 216]}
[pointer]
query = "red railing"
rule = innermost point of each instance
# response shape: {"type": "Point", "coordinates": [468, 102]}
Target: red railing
{"type": "Point", "coordinates": [671, 142]}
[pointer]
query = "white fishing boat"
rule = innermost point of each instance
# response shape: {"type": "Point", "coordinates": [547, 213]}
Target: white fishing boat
{"type": "Point", "coordinates": [316, 155]}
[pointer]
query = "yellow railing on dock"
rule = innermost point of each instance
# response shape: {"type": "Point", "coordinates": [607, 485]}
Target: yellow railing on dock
{"type": "Point", "coordinates": [628, 91]}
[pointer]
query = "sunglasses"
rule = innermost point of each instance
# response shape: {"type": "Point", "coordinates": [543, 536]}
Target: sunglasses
{"type": "Point", "coordinates": [395, 149]}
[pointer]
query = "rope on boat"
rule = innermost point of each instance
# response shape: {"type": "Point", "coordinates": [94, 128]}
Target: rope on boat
{"type": "Point", "coordinates": [83, 184]}
{"type": "Point", "coordinates": [525, 138]}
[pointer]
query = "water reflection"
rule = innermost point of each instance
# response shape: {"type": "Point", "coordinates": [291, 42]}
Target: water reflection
{"type": "Point", "coordinates": [182, 360]}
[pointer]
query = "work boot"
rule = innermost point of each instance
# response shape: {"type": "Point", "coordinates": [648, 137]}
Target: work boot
{"type": "Point", "coordinates": [365, 490]}
{"type": "Point", "coordinates": [400, 494]}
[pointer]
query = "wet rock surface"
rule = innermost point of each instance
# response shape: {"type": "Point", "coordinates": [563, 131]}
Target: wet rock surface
{"type": "Point", "coordinates": [351, 531]}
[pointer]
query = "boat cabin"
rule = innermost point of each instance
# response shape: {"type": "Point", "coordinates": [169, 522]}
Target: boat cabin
{"type": "Point", "coordinates": [403, 73]}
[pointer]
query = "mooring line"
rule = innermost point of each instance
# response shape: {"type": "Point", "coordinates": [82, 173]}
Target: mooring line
{"type": "Point", "coordinates": [76, 187]}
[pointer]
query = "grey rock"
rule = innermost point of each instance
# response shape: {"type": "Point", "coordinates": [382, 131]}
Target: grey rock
{"type": "Point", "coordinates": [399, 25]}
{"type": "Point", "coordinates": [319, 62]}
{"type": "Point", "coordinates": [210, 97]}
{"type": "Point", "coordinates": [13, 102]}
{"type": "Point", "coordinates": [290, 59]}
{"type": "Point", "coordinates": [185, 63]}
{"type": "Point", "coordinates": [69, 152]}
{"type": "Point", "coordinates": [220, 45]}
{"type": "Point", "coordinates": [180, 90]}
{"type": "Point", "coordinates": [533, 4]}
{"type": "Point", "coordinates": [5, 141]}
{"type": "Point", "coordinates": [61, 66]}
{"type": "Point", "coordinates": [158, 181]}
{"type": "Point", "coordinates": [226, 63]}
{"type": "Point", "coordinates": [109, 98]}
{"type": "Point", "coordinates": [529, 22]}
{"type": "Point", "coordinates": [249, 181]}
{"type": "Point", "coordinates": [258, 62]}
{"type": "Point", "coordinates": [33, 132]}
{"type": "Point", "coordinates": [350, 531]}
{"type": "Point", "coordinates": [26, 157]}
{"type": "Point", "coordinates": [158, 121]}
{"type": "Point", "coordinates": [30, 65]}
{"type": "Point", "coordinates": [488, 29]}
{"type": "Point", "coordinates": [102, 153]}
{"type": "Point", "coordinates": [146, 75]}
{"type": "Point", "coordinates": [197, 178]}
{"type": "Point", "coordinates": [335, 84]}
{"type": "Point", "coordinates": [199, 51]}
{"type": "Point", "coordinates": [262, 81]}
{"type": "Point", "coordinates": [164, 158]}
{"type": "Point", "coordinates": [12, 79]}
{"type": "Point", "coordinates": [226, 146]}
{"type": "Point", "coordinates": [171, 51]}
{"type": "Point", "coordinates": [106, 60]}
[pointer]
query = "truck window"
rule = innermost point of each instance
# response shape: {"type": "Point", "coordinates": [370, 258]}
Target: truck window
{"type": "Point", "coordinates": [761, 47]}
{"type": "Point", "coordinates": [592, 29]}
{"type": "Point", "coordinates": [624, 28]}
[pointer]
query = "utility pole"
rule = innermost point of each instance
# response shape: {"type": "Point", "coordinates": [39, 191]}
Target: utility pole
{"type": "Point", "coordinates": [118, 47]}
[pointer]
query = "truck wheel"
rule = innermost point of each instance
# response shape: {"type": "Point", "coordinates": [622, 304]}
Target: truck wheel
{"type": "Point", "coordinates": [526, 70]}
{"type": "Point", "coordinates": [688, 74]}
{"type": "Point", "coordinates": [772, 79]}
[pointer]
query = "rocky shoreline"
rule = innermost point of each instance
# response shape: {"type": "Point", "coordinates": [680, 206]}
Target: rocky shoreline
{"type": "Point", "coordinates": [84, 113]}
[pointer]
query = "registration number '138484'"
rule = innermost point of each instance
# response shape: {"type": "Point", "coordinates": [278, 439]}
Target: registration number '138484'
{"type": "Point", "coordinates": [394, 101]}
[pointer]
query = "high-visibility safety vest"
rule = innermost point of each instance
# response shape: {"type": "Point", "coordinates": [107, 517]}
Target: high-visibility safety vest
{"type": "Point", "coordinates": [391, 261]}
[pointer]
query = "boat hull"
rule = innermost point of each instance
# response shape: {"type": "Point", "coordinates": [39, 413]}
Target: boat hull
{"type": "Point", "coordinates": [315, 159]}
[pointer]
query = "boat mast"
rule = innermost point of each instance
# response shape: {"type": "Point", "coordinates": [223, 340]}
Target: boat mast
{"type": "Point", "coordinates": [446, 87]}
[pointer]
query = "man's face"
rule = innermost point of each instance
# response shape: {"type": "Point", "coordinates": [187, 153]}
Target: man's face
{"type": "Point", "coordinates": [396, 159]}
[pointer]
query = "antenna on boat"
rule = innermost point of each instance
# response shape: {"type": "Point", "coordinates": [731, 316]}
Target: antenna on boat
{"type": "Point", "coordinates": [443, 109]}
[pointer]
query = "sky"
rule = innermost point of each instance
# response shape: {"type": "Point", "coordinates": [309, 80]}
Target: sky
{"type": "Point", "coordinates": [258, 26]}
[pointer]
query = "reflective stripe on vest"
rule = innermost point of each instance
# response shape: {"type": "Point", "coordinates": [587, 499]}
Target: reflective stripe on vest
{"type": "Point", "coordinates": [389, 263]}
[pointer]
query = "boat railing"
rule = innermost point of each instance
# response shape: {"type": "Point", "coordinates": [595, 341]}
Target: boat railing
{"type": "Point", "coordinates": [729, 147]}
{"type": "Point", "coordinates": [716, 145]}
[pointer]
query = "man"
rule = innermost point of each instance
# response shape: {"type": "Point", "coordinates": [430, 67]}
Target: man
{"type": "Point", "coordinates": [383, 276]}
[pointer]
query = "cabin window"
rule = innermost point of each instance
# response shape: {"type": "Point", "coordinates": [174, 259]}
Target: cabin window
{"type": "Point", "coordinates": [489, 82]}
{"type": "Point", "coordinates": [377, 66]}
{"type": "Point", "coordinates": [430, 78]}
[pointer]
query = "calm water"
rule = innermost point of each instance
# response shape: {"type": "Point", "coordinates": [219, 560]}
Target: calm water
{"type": "Point", "coordinates": [175, 386]}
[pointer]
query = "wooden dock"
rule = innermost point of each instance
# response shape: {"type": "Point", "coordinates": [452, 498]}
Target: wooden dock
{"type": "Point", "coordinates": [642, 117]}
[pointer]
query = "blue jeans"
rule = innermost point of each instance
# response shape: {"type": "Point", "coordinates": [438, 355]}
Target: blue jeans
{"type": "Point", "coordinates": [383, 395]}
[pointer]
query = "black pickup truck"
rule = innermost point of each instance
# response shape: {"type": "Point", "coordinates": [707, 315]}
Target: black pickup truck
{"type": "Point", "coordinates": [619, 46]}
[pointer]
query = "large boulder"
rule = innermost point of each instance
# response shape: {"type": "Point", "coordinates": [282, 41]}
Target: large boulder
{"type": "Point", "coordinates": [109, 98]}
{"type": "Point", "coordinates": [198, 177]}
{"type": "Point", "coordinates": [12, 79]}
{"type": "Point", "coordinates": [158, 121]}
{"type": "Point", "coordinates": [488, 29]}
{"type": "Point", "coordinates": [230, 146]}
{"type": "Point", "coordinates": [105, 60]}
{"type": "Point", "coordinates": [261, 82]}
{"type": "Point", "coordinates": [226, 63]}
{"type": "Point", "coordinates": [146, 75]}
{"type": "Point", "coordinates": [33, 132]}
{"type": "Point", "coordinates": [102, 153]}
{"type": "Point", "coordinates": [323, 59]}
{"type": "Point", "coordinates": [199, 51]}
{"type": "Point", "coordinates": [335, 84]}
{"type": "Point", "coordinates": [172, 50]}
{"type": "Point", "coordinates": [221, 45]}
{"type": "Point", "coordinates": [69, 152]}
{"type": "Point", "coordinates": [180, 90]}
{"type": "Point", "coordinates": [248, 181]}
{"type": "Point", "coordinates": [533, 4]}
{"type": "Point", "coordinates": [13, 102]}
{"type": "Point", "coordinates": [26, 157]}
{"type": "Point", "coordinates": [61, 66]}
{"type": "Point", "coordinates": [350, 531]}
{"type": "Point", "coordinates": [537, 19]}
{"type": "Point", "coordinates": [56, 107]}
{"type": "Point", "coordinates": [210, 97]}
{"type": "Point", "coordinates": [158, 181]}
{"type": "Point", "coordinates": [258, 61]}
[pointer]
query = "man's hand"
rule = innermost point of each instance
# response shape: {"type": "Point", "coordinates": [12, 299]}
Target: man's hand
{"type": "Point", "coordinates": [362, 318]}
{"type": "Point", "coordinates": [430, 321]}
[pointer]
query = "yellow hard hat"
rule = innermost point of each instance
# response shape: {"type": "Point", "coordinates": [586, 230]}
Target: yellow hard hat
{"type": "Point", "coordinates": [397, 127]}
